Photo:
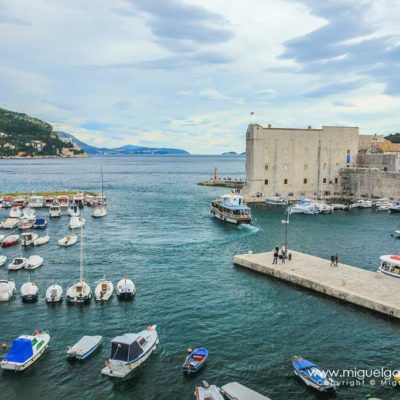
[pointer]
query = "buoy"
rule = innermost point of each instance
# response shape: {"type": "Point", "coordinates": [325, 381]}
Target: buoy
{"type": "Point", "coordinates": [4, 346]}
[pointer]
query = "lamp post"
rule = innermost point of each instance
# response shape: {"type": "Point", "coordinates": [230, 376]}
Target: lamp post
{"type": "Point", "coordinates": [286, 223]}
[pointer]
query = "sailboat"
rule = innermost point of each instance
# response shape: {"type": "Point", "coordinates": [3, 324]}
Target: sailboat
{"type": "Point", "coordinates": [103, 290]}
{"type": "Point", "coordinates": [79, 292]}
{"type": "Point", "coordinates": [100, 208]}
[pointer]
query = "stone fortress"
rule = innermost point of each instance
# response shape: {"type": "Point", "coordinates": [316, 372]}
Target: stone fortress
{"type": "Point", "coordinates": [335, 162]}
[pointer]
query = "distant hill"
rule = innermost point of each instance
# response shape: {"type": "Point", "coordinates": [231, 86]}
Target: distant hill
{"type": "Point", "coordinates": [24, 136]}
{"type": "Point", "coordinates": [394, 138]}
{"type": "Point", "coordinates": [230, 153]}
{"type": "Point", "coordinates": [123, 150]}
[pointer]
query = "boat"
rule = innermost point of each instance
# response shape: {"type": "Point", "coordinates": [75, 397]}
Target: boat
{"type": "Point", "coordinates": [34, 262]}
{"type": "Point", "coordinates": [63, 201]}
{"type": "Point", "coordinates": [48, 201]}
{"type": "Point", "coordinates": [25, 223]}
{"type": "Point", "coordinates": [395, 207]}
{"type": "Point", "coordinates": [90, 200]}
{"type": "Point", "coordinates": [3, 260]}
{"type": "Point", "coordinates": [276, 201]}
{"type": "Point", "coordinates": [129, 351]}
{"type": "Point", "coordinates": [15, 212]}
{"type": "Point", "coordinates": [236, 391]}
{"type": "Point", "coordinates": [27, 238]}
{"type": "Point", "coordinates": [68, 240]}
{"type": "Point", "coordinates": [304, 206]}
{"type": "Point", "coordinates": [25, 350]}
{"type": "Point", "coordinates": [29, 214]}
{"type": "Point", "coordinates": [361, 204]}
{"type": "Point", "coordinates": [29, 292]}
{"type": "Point", "coordinates": [54, 293]}
{"type": "Point", "coordinates": [20, 202]}
{"type": "Point", "coordinates": [41, 240]}
{"type": "Point", "coordinates": [207, 392]}
{"type": "Point", "coordinates": [312, 375]}
{"type": "Point", "coordinates": [80, 292]}
{"type": "Point", "coordinates": [7, 289]}
{"type": "Point", "coordinates": [54, 211]}
{"type": "Point", "coordinates": [76, 222]}
{"type": "Point", "coordinates": [390, 265]}
{"type": "Point", "coordinates": [384, 207]}
{"type": "Point", "coordinates": [17, 263]}
{"type": "Point", "coordinates": [36, 201]}
{"type": "Point", "coordinates": [40, 223]}
{"type": "Point", "coordinates": [79, 199]}
{"type": "Point", "coordinates": [9, 223]}
{"type": "Point", "coordinates": [195, 360]}
{"type": "Point", "coordinates": [125, 289]}
{"type": "Point", "coordinates": [73, 210]}
{"type": "Point", "coordinates": [7, 202]}
{"type": "Point", "coordinates": [10, 240]}
{"type": "Point", "coordinates": [104, 290]}
{"type": "Point", "coordinates": [86, 346]}
{"type": "Point", "coordinates": [100, 209]}
{"type": "Point", "coordinates": [324, 208]}
{"type": "Point", "coordinates": [231, 208]}
{"type": "Point", "coordinates": [340, 206]}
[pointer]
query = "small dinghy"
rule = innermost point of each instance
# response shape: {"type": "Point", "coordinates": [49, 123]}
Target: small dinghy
{"type": "Point", "coordinates": [28, 238]}
{"type": "Point", "coordinates": [7, 289]}
{"type": "Point", "coordinates": [10, 223]}
{"type": "Point", "coordinates": [68, 240]}
{"type": "Point", "coordinates": [76, 222]}
{"type": "Point", "coordinates": [3, 260]}
{"type": "Point", "coordinates": [40, 223]}
{"type": "Point", "coordinates": [34, 262]}
{"type": "Point", "coordinates": [129, 351]}
{"type": "Point", "coordinates": [29, 292]}
{"type": "Point", "coordinates": [125, 289]}
{"type": "Point", "coordinates": [195, 360]}
{"type": "Point", "coordinates": [207, 392]}
{"type": "Point", "coordinates": [25, 351]}
{"type": "Point", "coordinates": [10, 240]}
{"type": "Point", "coordinates": [54, 211]}
{"type": "Point", "coordinates": [104, 290]}
{"type": "Point", "coordinates": [86, 346]}
{"type": "Point", "coordinates": [41, 240]}
{"type": "Point", "coordinates": [312, 375]}
{"type": "Point", "coordinates": [236, 391]}
{"type": "Point", "coordinates": [54, 293]}
{"type": "Point", "coordinates": [25, 223]}
{"type": "Point", "coordinates": [17, 263]}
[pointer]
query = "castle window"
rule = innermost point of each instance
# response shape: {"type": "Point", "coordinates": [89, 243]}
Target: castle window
{"type": "Point", "coordinates": [305, 180]}
{"type": "Point", "coordinates": [325, 165]}
{"type": "Point", "coordinates": [305, 167]}
{"type": "Point", "coordinates": [336, 180]}
{"type": "Point", "coordinates": [324, 180]}
{"type": "Point", "coordinates": [266, 167]}
{"type": "Point", "coordinates": [285, 181]}
{"type": "Point", "coordinates": [265, 181]}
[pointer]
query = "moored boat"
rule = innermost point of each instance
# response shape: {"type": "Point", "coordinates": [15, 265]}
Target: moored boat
{"type": "Point", "coordinates": [10, 240]}
{"type": "Point", "coordinates": [236, 391]}
{"type": "Point", "coordinates": [78, 199]}
{"type": "Point", "coordinates": [76, 222]}
{"type": "Point", "coordinates": [10, 223]}
{"type": "Point", "coordinates": [17, 263]}
{"type": "Point", "coordinates": [28, 238]}
{"type": "Point", "coordinates": [40, 223]}
{"type": "Point", "coordinates": [48, 201]}
{"type": "Point", "coordinates": [3, 260]}
{"type": "Point", "coordinates": [15, 212]}
{"type": "Point", "coordinates": [25, 223]}
{"type": "Point", "coordinates": [29, 292]}
{"type": "Point", "coordinates": [54, 293]}
{"type": "Point", "coordinates": [7, 289]}
{"type": "Point", "coordinates": [390, 265]}
{"type": "Point", "coordinates": [125, 289]}
{"type": "Point", "coordinates": [68, 240]}
{"type": "Point", "coordinates": [304, 206]}
{"type": "Point", "coordinates": [29, 214]}
{"type": "Point", "coordinates": [36, 201]}
{"type": "Point", "coordinates": [86, 346]}
{"type": "Point", "coordinates": [195, 360]}
{"type": "Point", "coordinates": [395, 207]}
{"type": "Point", "coordinates": [207, 392]}
{"type": "Point", "coordinates": [34, 262]}
{"type": "Point", "coordinates": [63, 201]}
{"type": "Point", "coordinates": [7, 202]}
{"type": "Point", "coordinates": [276, 201]}
{"type": "Point", "coordinates": [41, 240]}
{"type": "Point", "coordinates": [129, 351]}
{"type": "Point", "coordinates": [55, 211]}
{"type": "Point", "coordinates": [73, 210]}
{"type": "Point", "coordinates": [100, 209]}
{"type": "Point", "coordinates": [104, 290]}
{"type": "Point", "coordinates": [231, 208]}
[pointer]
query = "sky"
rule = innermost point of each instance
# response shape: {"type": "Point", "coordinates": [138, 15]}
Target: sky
{"type": "Point", "coordinates": [189, 73]}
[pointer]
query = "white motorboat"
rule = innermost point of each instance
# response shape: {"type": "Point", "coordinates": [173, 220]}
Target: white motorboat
{"type": "Point", "coordinates": [76, 222]}
{"type": "Point", "coordinates": [390, 265]}
{"type": "Point", "coordinates": [324, 208]}
{"type": "Point", "coordinates": [104, 290]}
{"type": "Point", "coordinates": [79, 199]}
{"type": "Point", "coordinates": [36, 201]}
{"type": "Point", "coordinates": [15, 212]}
{"type": "Point", "coordinates": [207, 392]}
{"type": "Point", "coordinates": [10, 240]}
{"type": "Point", "coordinates": [236, 391]}
{"type": "Point", "coordinates": [382, 202]}
{"type": "Point", "coordinates": [395, 207]}
{"type": "Point", "coordinates": [63, 201]}
{"type": "Point", "coordinates": [25, 223]}
{"type": "Point", "coordinates": [10, 223]}
{"type": "Point", "coordinates": [48, 201]}
{"type": "Point", "coordinates": [361, 204]}
{"type": "Point", "coordinates": [73, 210]}
{"type": "Point", "coordinates": [2, 237]}
{"type": "Point", "coordinates": [231, 208]}
{"type": "Point", "coordinates": [17, 263]}
{"type": "Point", "coordinates": [29, 292]}
{"type": "Point", "coordinates": [125, 289]}
{"type": "Point", "coordinates": [34, 262]}
{"type": "Point", "coordinates": [80, 292]}
{"type": "Point", "coordinates": [28, 238]}
{"type": "Point", "coordinates": [54, 293]}
{"type": "Point", "coordinates": [129, 351]}
{"type": "Point", "coordinates": [339, 206]}
{"type": "Point", "coordinates": [29, 214]}
{"type": "Point", "coordinates": [99, 211]}
{"type": "Point", "coordinates": [54, 211]}
{"type": "Point", "coordinates": [304, 206]}
{"type": "Point", "coordinates": [276, 201]}
{"type": "Point", "coordinates": [7, 289]}
{"type": "Point", "coordinates": [68, 240]}
{"type": "Point", "coordinates": [3, 260]}
{"type": "Point", "coordinates": [86, 346]}
{"type": "Point", "coordinates": [384, 207]}
{"type": "Point", "coordinates": [41, 240]}
{"type": "Point", "coordinates": [25, 350]}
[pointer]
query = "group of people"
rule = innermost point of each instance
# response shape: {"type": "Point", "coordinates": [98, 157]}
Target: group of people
{"type": "Point", "coordinates": [280, 254]}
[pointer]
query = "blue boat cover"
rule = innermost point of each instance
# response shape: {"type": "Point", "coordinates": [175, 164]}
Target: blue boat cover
{"type": "Point", "coordinates": [303, 364]}
{"type": "Point", "coordinates": [40, 221]}
{"type": "Point", "coordinates": [21, 351]}
{"type": "Point", "coordinates": [200, 352]}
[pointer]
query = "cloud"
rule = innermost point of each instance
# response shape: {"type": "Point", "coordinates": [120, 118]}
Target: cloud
{"type": "Point", "coordinates": [213, 94]}
{"type": "Point", "coordinates": [8, 18]}
{"type": "Point", "coordinates": [335, 88]}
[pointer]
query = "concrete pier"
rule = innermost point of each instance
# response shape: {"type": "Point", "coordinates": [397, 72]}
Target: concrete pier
{"type": "Point", "coordinates": [367, 289]}
{"type": "Point", "coordinates": [224, 182]}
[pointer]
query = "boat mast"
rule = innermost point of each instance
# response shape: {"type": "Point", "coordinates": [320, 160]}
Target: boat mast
{"type": "Point", "coordinates": [101, 169]}
{"type": "Point", "coordinates": [81, 266]}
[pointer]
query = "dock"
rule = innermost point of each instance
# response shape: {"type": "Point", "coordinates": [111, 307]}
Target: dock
{"type": "Point", "coordinates": [224, 182]}
{"type": "Point", "coordinates": [367, 289]}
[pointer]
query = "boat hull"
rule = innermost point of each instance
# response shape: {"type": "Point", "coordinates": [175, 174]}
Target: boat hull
{"type": "Point", "coordinates": [223, 217]}
{"type": "Point", "coordinates": [79, 300]}
{"type": "Point", "coordinates": [30, 298]}
{"type": "Point", "coordinates": [125, 296]}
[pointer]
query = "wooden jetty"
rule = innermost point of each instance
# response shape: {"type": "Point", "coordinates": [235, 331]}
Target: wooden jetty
{"type": "Point", "coordinates": [371, 290]}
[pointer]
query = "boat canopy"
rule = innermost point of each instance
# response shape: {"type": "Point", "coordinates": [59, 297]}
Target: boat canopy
{"type": "Point", "coordinates": [124, 351]}
{"type": "Point", "coordinates": [21, 351]}
{"type": "Point", "coordinates": [391, 259]}
{"type": "Point", "coordinates": [301, 364]}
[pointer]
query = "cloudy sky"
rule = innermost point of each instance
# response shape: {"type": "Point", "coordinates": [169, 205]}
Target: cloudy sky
{"type": "Point", "coordinates": [188, 73]}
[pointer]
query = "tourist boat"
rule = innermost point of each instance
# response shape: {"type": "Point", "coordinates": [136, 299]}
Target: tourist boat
{"type": "Point", "coordinates": [7, 202]}
{"type": "Point", "coordinates": [17, 263]}
{"type": "Point", "coordinates": [29, 292]}
{"type": "Point", "coordinates": [304, 206]}
{"type": "Point", "coordinates": [129, 351]}
{"type": "Point", "coordinates": [312, 375]}
{"type": "Point", "coordinates": [195, 360]}
{"type": "Point", "coordinates": [361, 204]}
{"type": "Point", "coordinates": [90, 200]}
{"type": "Point", "coordinates": [68, 240]}
{"type": "Point", "coordinates": [86, 346]}
{"type": "Point", "coordinates": [76, 222]}
{"type": "Point", "coordinates": [25, 223]}
{"type": "Point", "coordinates": [41, 240]}
{"type": "Point", "coordinates": [73, 210]}
{"type": "Point", "coordinates": [236, 391]}
{"type": "Point", "coordinates": [79, 199]}
{"type": "Point", "coordinates": [25, 351]}
{"type": "Point", "coordinates": [10, 240]}
{"type": "Point", "coordinates": [395, 207]}
{"type": "Point", "coordinates": [63, 201]}
{"type": "Point", "coordinates": [19, 202]}
{"type": "Point", "coordinates": [40, 223]}
{"type": "Point", "coordinates": [10, 223]}
{"type": "Point", "coordinates": [231, 208]}
{"type": "Point", "coordinates": [125, 289]}
{"type": "Point", "coordinates": [36, 201]}
{"type": "Point", "coordinates": [34, 262]}
{"type": "Point", "coordinates": [324, 208]}
{"type": "Point", "coordinates": [276, 201]}
{"type": "Point", "coordinates": [28, 238]}
{"type": "Point", "coordinates": [55, 211]}
{"type": "Point", "coordinates": [79, 292]}
{"type": "Point", "coordinates": [54, 293]}
{"type": "Point", "coordinates": [29, 214]}
{"type": "Point", "coordinates": [390, 265]}
{"type": "Point", "coordinates": [384, 207]}
{"type": "Point", "coordinates": [15, 212]}
{"type": "Point", "coordinates": [104, 290]}
{"type": "Point", "coordinates": [3, 260]}
{"type": "Point", "coordinates": [7, 289]}
{"type": "Point", "coordinates": [208, 392]}
{"type": "Point", "coordinates": [100, 210]}
{"type": "Point", "coordinates": [48, 201]}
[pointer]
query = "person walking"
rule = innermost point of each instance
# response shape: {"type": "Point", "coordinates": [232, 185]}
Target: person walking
{"type": "Point", "coordinates": [332, 261]}
{"type": "Point", "coordinates": [276, 255]}
{"type": "Point", "coordinates": [283, 252]}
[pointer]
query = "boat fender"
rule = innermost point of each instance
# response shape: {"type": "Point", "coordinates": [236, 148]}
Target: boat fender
{"type": "Point", "coordinates": [4, 346]}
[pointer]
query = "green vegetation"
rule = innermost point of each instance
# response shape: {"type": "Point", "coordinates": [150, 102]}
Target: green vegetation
{"type": "Point", "coordinates": [394, 138]}
{"type": "Point", "coordinates": [50, 193]}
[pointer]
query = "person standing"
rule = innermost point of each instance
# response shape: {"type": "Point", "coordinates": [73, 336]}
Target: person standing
{"type": "Point", "coordinates": [276, 255]}
{"type": "Point", "coordinates": [283, 252]}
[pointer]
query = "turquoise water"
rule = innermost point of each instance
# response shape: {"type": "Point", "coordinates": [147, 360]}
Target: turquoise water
{"type": "Point", "coordinates": [159, 231]}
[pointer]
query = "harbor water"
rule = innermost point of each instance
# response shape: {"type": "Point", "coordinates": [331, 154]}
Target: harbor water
{"type": "Point", "coordinates": [159, 232]}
